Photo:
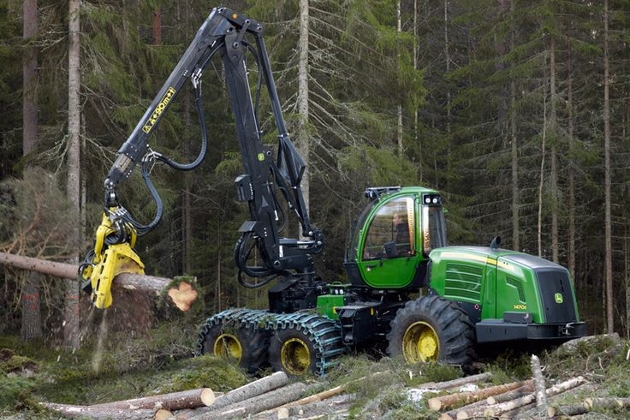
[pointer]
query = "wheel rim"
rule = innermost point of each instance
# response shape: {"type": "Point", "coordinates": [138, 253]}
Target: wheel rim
{"type": "Point", "coordinates": [420, 343]}
{"type": "Point", "coordinates": [228, 346]}
{"type": "Point", "coordinates": [295, 356]}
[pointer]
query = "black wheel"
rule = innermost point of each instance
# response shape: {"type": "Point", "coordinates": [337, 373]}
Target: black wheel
{"type": "Point", "coordinates": [432, 329]}
{"type": "Point", "coordinates": [305, 343]}
{"type": "Point", "coordinates": [293, 352]}
{"type": "Point", "coordinates": [245, 346]}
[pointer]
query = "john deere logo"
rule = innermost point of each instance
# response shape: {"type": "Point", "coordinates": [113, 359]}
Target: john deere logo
{"type": "Point", "coordinates": [558, 298]}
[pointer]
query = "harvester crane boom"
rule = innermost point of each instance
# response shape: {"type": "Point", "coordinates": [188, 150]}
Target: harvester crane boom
{"type": "Point", "coordinates": [226, 32]}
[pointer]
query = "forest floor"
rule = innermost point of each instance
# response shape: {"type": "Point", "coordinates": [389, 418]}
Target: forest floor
{"type": "Point", "coordinates": [115, 367]}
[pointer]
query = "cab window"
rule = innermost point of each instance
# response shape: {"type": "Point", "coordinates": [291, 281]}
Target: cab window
{"type": "Point", "coordinates": [392, 226]}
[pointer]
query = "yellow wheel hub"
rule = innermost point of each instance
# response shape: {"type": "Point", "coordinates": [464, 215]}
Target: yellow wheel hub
{"type": "Point", "coordinates": [295, 356]}
{"type": "Point", "coordinates": [420, 343]}
{"type": "Point", "coordinates": [228, 347]}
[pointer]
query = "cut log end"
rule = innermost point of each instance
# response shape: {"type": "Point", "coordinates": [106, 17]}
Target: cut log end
{"type": "Point", "coordinates": [162, 414]}
{"type": "Point", "coordinates": [183, 296]}
{"type": "Point", "coordinates": [207, 397]}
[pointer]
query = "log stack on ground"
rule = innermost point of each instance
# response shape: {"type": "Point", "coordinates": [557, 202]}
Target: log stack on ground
{"type": "Point", "coordinates": [275, 397]}
{"type": "Point", "coordinates": [137, 408]}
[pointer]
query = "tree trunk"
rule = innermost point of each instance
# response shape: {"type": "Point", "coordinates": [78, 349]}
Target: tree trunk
{"type": "Point", "coordinates": [399, 137]}
{"type": "Point", "coordinates": [541, 184]}
{"type": "Point", "coordinates": [73, 164]}
{"type": "Point", "coordinates": [157, 26]}
{"type": "Point", "coordinates": [180, 295]}
{"type": "Point", "coordinates": [303, 137]}
{"type": "Point", "coordinates": [553, 151]}
{"type": "Point", "coordinates": [31, 307]}
{"type": "Point", "coordinates": [607, 184]}
{"type": "Point", "coordinates": [571, 205]}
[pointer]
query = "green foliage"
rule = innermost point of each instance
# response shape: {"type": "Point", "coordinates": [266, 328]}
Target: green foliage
{"type": "Point", "coordinates": [511, 364]}
{"type": "Point", "coordinates": [14, 390]}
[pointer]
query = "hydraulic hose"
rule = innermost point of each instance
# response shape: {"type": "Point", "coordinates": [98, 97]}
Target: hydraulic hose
{"type": "Point", "coordinates": [147, 161]}
{"type": "Point", "coordinates": [204, 139]}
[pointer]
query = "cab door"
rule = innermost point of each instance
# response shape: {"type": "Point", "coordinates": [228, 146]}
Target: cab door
{"type": "Point", "coordinates": [389, 253]}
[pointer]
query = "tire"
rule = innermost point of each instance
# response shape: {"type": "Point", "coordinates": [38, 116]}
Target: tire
{"type": "Point", "coordinates": [293, 352]}
{"type": "Point", "coordinates": [305, 343]}
{"type": "Point", "coordinates": [432, 329]}
{"type": "Point", "coordinates": [245, 346]}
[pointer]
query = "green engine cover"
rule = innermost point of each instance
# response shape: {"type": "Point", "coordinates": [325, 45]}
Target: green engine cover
{"type": "Point", "coordinates": [502, 283]}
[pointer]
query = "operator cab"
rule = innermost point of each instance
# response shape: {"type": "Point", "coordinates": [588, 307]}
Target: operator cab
{"type": "Point", "coordinates": [390, 243]}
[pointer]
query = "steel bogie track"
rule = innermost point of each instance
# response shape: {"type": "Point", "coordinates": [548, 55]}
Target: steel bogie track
{"type": "Point", "coordinates": [324, 334]}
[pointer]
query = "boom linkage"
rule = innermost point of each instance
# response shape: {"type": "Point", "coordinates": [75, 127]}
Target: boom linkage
{"type": "Point", "coordinates": [226, 32]}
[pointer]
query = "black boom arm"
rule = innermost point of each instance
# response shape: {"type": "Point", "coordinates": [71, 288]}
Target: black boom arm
{"type": "Point", "coordinates": [266, 175]}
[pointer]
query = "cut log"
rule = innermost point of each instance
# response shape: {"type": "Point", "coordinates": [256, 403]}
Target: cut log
{"type": "Point", "coordinates": [482, 377]}
{"type": "Point", "coordinates": [527, 388]}
{"type": "Point", "coordinates": [323, 408]}
{"type": "Point", "coordinates": [469, 410]}
{"type": "Point", "coordinates": [566, 410]}
{"type": "Point", "coordinates": [163, 415]}
{"type": "Point", "coordinates": [247, 391]}
{"type": "Point", "coordinates": [140, 406]}
{"type": "Point", "coordinates": [608, 402]}
{"type": "Point", "coordinates": [277, 412]}
{"type": "Point", "coordinates": [181, 298]}
{"type": "Point", "coordinates": [248, 407]}
{"type": "Point", "coordinates": [193, 398]}
{"type": "Point", "coordinates": [462, 398]}
{"type": "Point", "coordinates": [87, 412]}
{"type": "Point", "coordinates": [267, 401]}
{"type": "Point", "coordinates": [499, 409]}
{"type": "Point", "coordinates": [539, 385]}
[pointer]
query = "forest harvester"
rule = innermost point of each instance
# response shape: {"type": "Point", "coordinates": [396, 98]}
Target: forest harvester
{"type": "Point", "coordinates": [408, 292]}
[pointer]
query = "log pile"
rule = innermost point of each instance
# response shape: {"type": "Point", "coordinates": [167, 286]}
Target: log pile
{"type": "Point", "coordinates": [276, 397]}
{"type": "Point", "coordinates": [271, 397]}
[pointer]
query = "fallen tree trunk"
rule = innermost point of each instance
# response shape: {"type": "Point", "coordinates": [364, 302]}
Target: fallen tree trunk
{"type": "Point", "coordinates": [125, 280]}
{"type": "Point", "coordinates": [463, 398]}
{"type": "Point", "coordinates": [138, 407]}
{"type": "Point", "coordinates": [173, 401]}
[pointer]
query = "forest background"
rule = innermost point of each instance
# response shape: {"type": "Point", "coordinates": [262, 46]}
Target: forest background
{"type": "Point", "coordinates": [518, 112]}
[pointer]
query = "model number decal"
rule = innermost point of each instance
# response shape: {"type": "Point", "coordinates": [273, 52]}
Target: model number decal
{"type": "Point", "coordinates": [168, 97]}
{"type": "Point", "coordinates": [521, 307]}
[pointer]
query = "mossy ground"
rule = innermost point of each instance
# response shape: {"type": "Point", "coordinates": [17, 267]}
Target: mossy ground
{"type": "Point", "coordinates": [161, 360]}
{"type": "Point", "coordinates": [121, 368]}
